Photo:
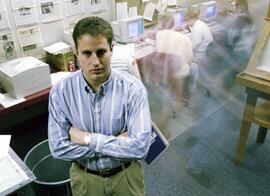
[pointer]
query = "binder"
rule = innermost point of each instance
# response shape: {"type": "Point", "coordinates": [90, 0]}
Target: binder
{"type": "Point", "coordinates": [158, 145]}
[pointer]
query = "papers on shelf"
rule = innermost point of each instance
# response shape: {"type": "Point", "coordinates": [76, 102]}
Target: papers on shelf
{"type": "Point", "coordinates": [7, 100]}
{"type": "Point", "coordinates": [149, 11]}
{"type": "Point", "coordinates": [7, 46]}
{"type": "Point", "coordinates": [25, 16]}
{"type": "Point", "coordinates": [73, 8]}
{"type": "Point", "coordinates": [132, 12]}
{"type": "Point", "coordinates": [4, 146]}
{"type": "Point", "coordinates": [50, 11]}
{"type": "Point", "coordinates": [20, 3]}
{"type": "Point", "coordinates": [57, 48]}
{"type": "Point", "coordinates": [98, 6]}
{"type": "Point", "coordinates": [121, 10]}
{"type": "Point", "coordinates": [30, 40]}
{"type": "Point", "coordinates": [4, 21]}
{"type": "Point", "coordinates": [161, 6]}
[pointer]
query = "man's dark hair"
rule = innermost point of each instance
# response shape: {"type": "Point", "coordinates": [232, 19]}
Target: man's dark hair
{"type": "Point", "coordinates": [93, 26]}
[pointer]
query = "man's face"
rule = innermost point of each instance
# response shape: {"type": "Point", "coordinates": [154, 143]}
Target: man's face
{"type": "Point", "coordinates": [94, 55]}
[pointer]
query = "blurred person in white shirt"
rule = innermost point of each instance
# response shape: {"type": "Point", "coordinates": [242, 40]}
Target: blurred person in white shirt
{"type": "Point", "coordinates": [201, 37]}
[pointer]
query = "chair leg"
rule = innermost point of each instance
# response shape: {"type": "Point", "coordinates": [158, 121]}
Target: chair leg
{"type": "Point", "coordinates": [261, 135]}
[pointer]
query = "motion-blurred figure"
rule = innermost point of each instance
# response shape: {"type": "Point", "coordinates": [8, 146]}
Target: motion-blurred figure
{"type": "Point", "coordinates": [201, 37]}
{"type": "Point", "coordinates": [166, 71]}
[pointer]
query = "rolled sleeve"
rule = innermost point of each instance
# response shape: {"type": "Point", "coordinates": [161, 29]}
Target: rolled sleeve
{"type": "Point", "coordinates": [58, 127]}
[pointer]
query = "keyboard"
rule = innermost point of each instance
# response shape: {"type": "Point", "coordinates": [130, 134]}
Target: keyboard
{"type": "Point", "coordinates": [140, 45]}
{"type": "Point", "coordinates": [143, 51]}
{"type": "Point", "coordinates": [150, 41]}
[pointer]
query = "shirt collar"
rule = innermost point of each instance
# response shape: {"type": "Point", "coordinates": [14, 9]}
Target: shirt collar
{"type": "Point", "coordinates": [103, 88]}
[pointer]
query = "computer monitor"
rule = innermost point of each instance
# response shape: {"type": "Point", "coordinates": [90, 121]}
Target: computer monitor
{"type": "Point", "coordinates": [188, 3]}
{"type": "Point", "coordinates": [128, 30]}
{"type": "Point", "coordinates": [208, 10]}
{"type": "Point", "coordinates": [179, 18]}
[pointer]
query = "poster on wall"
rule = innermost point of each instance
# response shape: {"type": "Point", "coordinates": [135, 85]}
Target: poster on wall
{"type": "Point", "coordinates": [25, 15]}
{"type": "Point", "coordinates": [97, 6]}
{"type": "Point", "coordinates": [70, 23]}
{"type": "Point", "coordinates": [50, 10]}
{"type": "Point", "coordinates": [74, 8]}
{"type": "Point", "coordinates": [30, 40]}
{"type": "Point", "coordinates": [22, 3]}
{"type": "Point", "coordinates": [7, 47]}
{"type": "Point", "coordinates": [4, 21]}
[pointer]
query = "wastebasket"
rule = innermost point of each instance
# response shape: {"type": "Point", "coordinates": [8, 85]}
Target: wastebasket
{"type": "Point", "coordinates": [52, 174]}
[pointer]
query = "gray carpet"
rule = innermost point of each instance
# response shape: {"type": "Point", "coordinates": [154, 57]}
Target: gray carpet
{"type": "Point", "coordinates": [213, 139]}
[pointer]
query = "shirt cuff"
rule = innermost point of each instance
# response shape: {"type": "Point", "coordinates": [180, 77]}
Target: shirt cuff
{"type": "Point", "coordinates": [95, 142]}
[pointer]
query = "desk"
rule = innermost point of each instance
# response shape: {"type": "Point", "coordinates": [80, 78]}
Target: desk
{"type": "Point", "coordinates": [29, 100]}
{"type": "Point", "coordinates": [34, 105]}
{"type": "Point", "coordinates": [255, 88]}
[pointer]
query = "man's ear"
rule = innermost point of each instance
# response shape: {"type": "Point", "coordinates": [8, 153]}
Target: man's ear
{"type": "Point", "coordinates": [112, 47]}
{"type": "Point", "coordinates": [75, 51]}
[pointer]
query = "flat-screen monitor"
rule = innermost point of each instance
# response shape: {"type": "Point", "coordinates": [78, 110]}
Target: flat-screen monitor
{"type": "Point", "coordinates": [208, 10]}
{"type": "Point", "coordinates": [179, 18]}
{"type": "Point", "coordinates": [128, 30]}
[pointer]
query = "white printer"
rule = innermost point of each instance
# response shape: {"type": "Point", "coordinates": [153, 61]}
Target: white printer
{"type": "Point", "coordinates": [24, 76]}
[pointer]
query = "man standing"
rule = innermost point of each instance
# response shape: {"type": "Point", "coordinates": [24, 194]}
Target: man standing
{"type": "Point", "coordinates": [100, 119]}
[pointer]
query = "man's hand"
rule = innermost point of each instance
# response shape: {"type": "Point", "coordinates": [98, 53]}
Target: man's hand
{"type": "Point", "coordinates": [76, 135]}
{"type": "Point", "coordinates": [123, 134]}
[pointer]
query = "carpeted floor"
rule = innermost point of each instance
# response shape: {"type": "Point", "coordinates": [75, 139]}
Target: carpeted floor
{"type": "Point", "coordinates": [212, 140]}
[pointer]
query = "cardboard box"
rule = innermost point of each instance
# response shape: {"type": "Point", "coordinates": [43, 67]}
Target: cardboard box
{"type": "Point", "coordinates": [59, 56]}
{"type": "Point", "coordinates": [60, 61]}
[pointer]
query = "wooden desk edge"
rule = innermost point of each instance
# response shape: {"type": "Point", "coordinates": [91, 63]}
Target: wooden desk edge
{"type": "Point", "coordinates": [253, 82]}
{"type": "Point", "coordinates": [29, 100]}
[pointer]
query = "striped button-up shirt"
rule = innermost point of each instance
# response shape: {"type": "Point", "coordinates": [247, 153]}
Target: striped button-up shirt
{"type": "Point", "coordinates": [123, 65]}
{"type": "Point", "coordinates": [120, 104]}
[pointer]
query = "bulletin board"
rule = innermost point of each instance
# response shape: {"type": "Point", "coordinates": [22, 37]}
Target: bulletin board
{"type": "Point", "coordinates": [27, 26]}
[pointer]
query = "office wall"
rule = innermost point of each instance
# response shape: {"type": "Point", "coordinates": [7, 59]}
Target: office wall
{"type": "Point", "coordinates": [51, 30]}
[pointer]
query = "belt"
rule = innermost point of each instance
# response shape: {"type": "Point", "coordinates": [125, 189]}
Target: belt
{"type": "Point", "coordinates": [105, 172]}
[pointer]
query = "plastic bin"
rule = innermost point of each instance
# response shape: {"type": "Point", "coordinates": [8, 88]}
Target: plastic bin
{"type": "Point", "coordinates": [52, 174]}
